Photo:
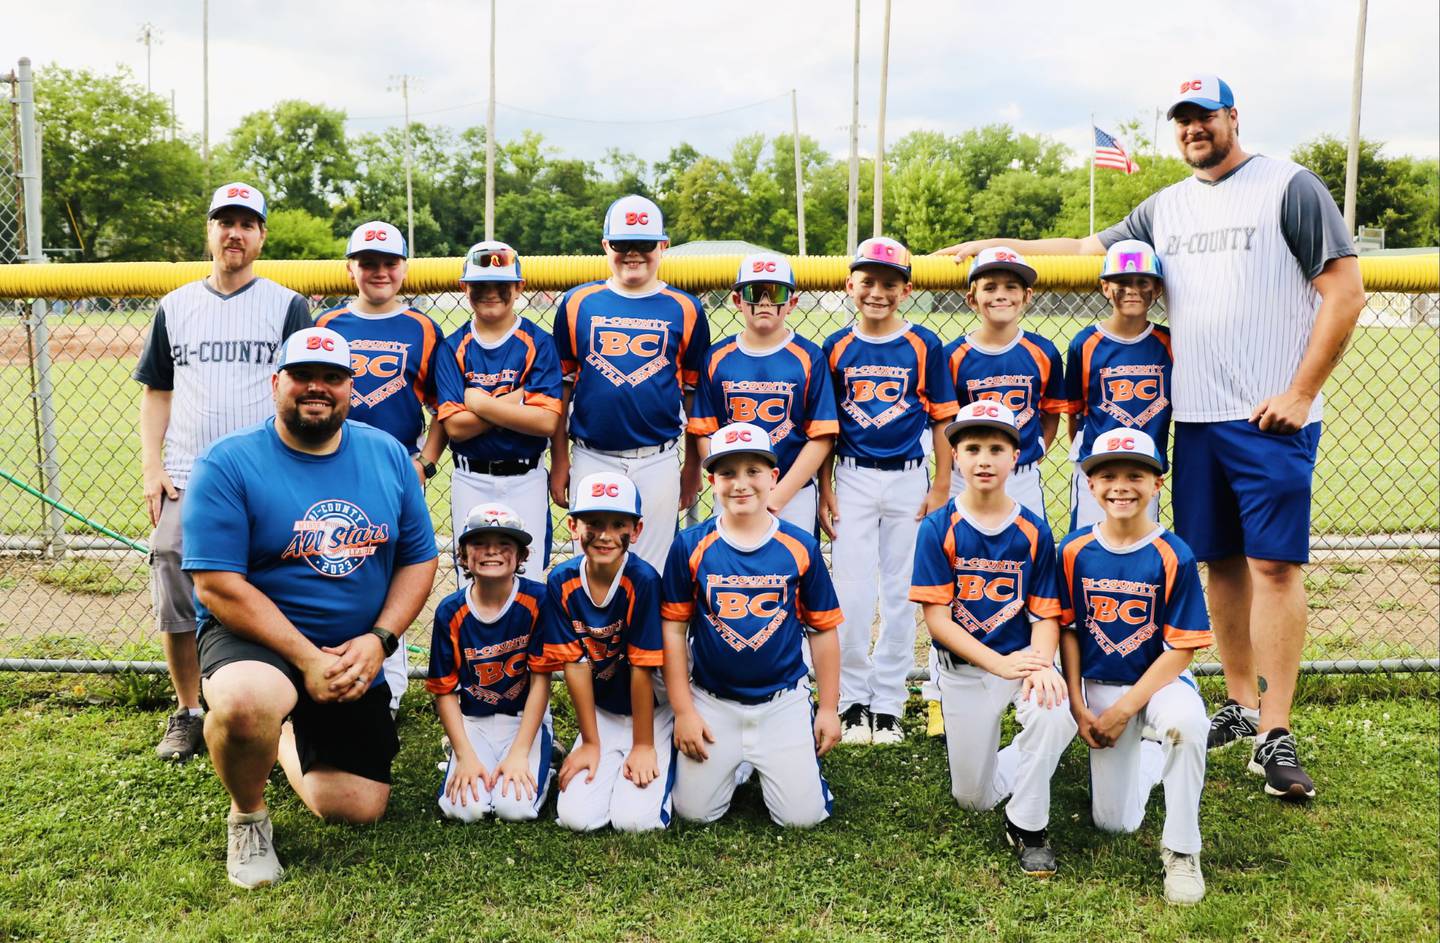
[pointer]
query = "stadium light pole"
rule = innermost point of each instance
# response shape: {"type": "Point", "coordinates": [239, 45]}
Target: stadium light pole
{"type": "Point", "coordinates": [879, 225]}
{"type": "Point", "coordinates": [409, 188]}
{"type": "Point", "coordinates": [205, 88]}
{"type": "Point", "coordinates": [852, 207]}
{"type": "Point", "coordinates": [490, 138]}
{"type": "Point", "coordinates": [1352, 159]}
{"type": "Point", "coordinates": [799, 172]}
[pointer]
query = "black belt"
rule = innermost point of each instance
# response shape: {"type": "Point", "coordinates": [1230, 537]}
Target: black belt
{"type": "Point", "coordinates": [504, 467]}
{"type": "Point", "coordinates": [883, 464]}
{"type": "Point", "coordinates": [748, 701]}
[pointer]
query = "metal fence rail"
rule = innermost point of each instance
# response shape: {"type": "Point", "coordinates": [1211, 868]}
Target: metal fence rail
{"type": "Point", "coordinates": [73, 598]}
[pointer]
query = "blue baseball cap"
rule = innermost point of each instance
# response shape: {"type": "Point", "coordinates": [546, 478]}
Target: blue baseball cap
{"type": "Point", "coordinates": [1205, 91]}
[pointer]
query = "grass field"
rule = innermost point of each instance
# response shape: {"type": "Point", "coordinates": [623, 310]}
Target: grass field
{"type": "Point", "coordinates": [102, 842]}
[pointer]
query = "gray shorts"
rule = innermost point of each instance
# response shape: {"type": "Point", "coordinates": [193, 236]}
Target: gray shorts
{"type": "Point", "coordinates": [171, 589]}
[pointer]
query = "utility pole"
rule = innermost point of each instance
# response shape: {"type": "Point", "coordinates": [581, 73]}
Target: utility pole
{"type": "Point", "coordinates": [799, 172]}
{"type": "Point", "coordinates": [409, 185]}
{"type": "Point", "coordinates": [879, 225]}
{"type": "Point", "coordinates": [172, 114]}
{"type": "Point", "coordinates": [852, 207]}
{"type": "Point", "coordinates": [1352, 160]}
{"type": "Point", "coordinates": [205, 88]}
{"type": "Point", "coordinates": [490, 138]}
{"type": "Point", "coordinates": [148, 34]}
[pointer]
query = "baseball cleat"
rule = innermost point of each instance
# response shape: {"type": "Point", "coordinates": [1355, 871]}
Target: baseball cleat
{"type": "Point", "coordinates": [250, 860]}
{"type": "Point", "coordinates": [1231, 724]}
{"type": "Point", "coordinates": [184, 737]}
{"type": "Point", "coordinates": [1184, 884]}
{"type": "Point", "coordinates": [934, 719]}
{"type": "Point", "coordinates": [855, 725]}
{"type": "Point", "coordinates": [1275, 759]}
{"type": "Point", "coordinates": [886, 729]}
{"type": "Point", "coordinates": [1037, 858]}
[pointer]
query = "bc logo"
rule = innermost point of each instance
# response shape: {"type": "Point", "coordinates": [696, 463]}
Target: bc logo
{"type": "Point", "coordinates": [887, 391]}
{"type": "Point", "coordinates": [374, 235]}
{"type": "Point", "coordinates": [762, 265]}
{"type": "Point", "coordinates": [383, 366]}
{"type": "Point", "coordinates": [737, 435]}
{"type": "Point", "coordinates": [637, 219]}
{"type": "Point", "coordinates": [1013, 400]}
{"type": "Point", "coordinates": [602, 490]}
{"type": "Point", "coordinates": [748, 409]}
{"type": "Point", "coordinates": [1193, 85]}
{"type": "Point", "coordinates": [319, 343]}
{"type": "Point", "coordinates": [1002, 256]}
{"type": "Point", "coordinates": [733, 605]}
{"type": "Point", "coordinates": [971, 587]}
{"type": "Point", "coordinates": [242, 192]}
{"type": "Point", "coordinates": [335, 537]}
{"type": "Point", "coordinates": [618, 343]}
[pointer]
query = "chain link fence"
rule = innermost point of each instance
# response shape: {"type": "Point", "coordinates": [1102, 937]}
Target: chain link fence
{"type": "Point", "coordinates": [75, 586]}
{"type": "Point", "coordinates": [11, 196]}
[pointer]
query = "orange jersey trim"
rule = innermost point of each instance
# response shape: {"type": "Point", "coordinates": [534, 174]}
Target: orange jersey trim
{"type": "Point", "coordinates": [572, 316]}
{"type": "Point", "coordinates": [1067, 566]}
{"type": "Point", "coordinates": [1046, 607]}
{"type": "Point", "coordinates": [447, 684]}
{"type": "Point", "coordinates": [942, 595]}
{"type": "Point", "coordinates": [644, 657]}
{"type": "Point", "coordinates": [677, 611]}
{"type": "Point", "coordinates": [824, 620]}
{"type": "Point", "coordinates": [705, 425]}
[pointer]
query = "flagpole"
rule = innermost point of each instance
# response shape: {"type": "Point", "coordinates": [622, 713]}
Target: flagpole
{"type": "Point", "coordinates": [1092, 172]}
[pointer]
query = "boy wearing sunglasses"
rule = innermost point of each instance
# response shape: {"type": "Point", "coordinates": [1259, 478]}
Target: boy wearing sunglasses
{"type": "Point", "coordinates": [499, 389]}
{"type": "Point", "coordinates": [631, 348]}
{"type": "Point", "coordinates": [772, 377]}
{"type": "Point", "coordinates": [890, 378]}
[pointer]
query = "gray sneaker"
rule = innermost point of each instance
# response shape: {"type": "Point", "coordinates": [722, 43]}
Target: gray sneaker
{"type": "Point", "coordinates": [1184, 884]}
{"type": "Point", "coordinates": [184, 737]}
{"type": "Point", "coordinates": [251, 860]}
{"type": "Point", "coordinates": [1033, 850]}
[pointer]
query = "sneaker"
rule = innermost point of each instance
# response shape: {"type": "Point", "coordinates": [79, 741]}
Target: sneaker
{"type": "Point", "coordinates": [887, 729]}
{"type": "Point", "coordinates": [1275, 759]}
{"type": "Point", "coordinates": [251, 860]}
{"type": "Point", "coordinates": [1231, 724]}
{"type": "Point", "coordinates": [1037, 858]}
{"type": "Point", "coordinates": [1184, 884]}
{"type": "Point", "coordinates": [184, 736]}
{"type": "Point", "coordinates": [855, 725]}
{"type": "Point", "coordinates": [934, 719]}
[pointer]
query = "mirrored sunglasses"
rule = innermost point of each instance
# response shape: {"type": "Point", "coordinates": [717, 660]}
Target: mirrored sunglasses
{"type": "Point", "coordinates": [754, 293]}
{"type": "Point", "coordinates": [491, 258]}
{"type": "Point", "coordinates": [876, 250]}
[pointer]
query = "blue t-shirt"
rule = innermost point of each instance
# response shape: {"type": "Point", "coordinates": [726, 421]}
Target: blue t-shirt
{"type": "Point", "coordinates": [1026, 376]}
{"type": "Point", "coordinates": [890, 390]}
{"type": "Point", "coordinates": [623, 630]}
{"type": "Point", "coordinates": [319, 535]}
{"type": "Point", "coordinates": [748, 607]}
{"type": "Point", "coordinates": [488, 663]}
{"type": "Point", "coordinates": [394, 359]}
{"type": "Point", "coordinates": [996, 582]}
{"type": "Point", "coordinates": [1129, 606]}
{"type": "Point", "coordinates": [1120, 384]}
{"type": "Point", "coordinates": [523, 360]}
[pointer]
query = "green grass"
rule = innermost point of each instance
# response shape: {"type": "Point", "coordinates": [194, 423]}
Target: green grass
{"type": "Point", "coordinates": [103, 842]}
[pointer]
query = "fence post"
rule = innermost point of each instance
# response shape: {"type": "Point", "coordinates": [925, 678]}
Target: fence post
{"type": "Point", "coordinates": [35, 255]}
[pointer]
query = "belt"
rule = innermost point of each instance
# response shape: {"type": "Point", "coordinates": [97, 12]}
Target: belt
{"type": "Point", "coordinates": [504, 468]}
{"type": "Point", "coordinates": [950, 660]}
{"type": "Point", "coordinates": [644, 451]}
{"type": "Point", "coordinates": [883, 464]}
{"type": "Point", "coordinates": [749, 702]}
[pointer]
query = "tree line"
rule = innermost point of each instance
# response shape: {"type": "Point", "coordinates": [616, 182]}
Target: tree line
{"type": "Point", "coordinates": [119, 185]}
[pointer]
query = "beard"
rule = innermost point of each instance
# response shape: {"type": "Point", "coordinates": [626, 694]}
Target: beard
{"type": "Point", "coordinates": [314, 431]}
{"type": "Point", "coordinates": [1218, 152]}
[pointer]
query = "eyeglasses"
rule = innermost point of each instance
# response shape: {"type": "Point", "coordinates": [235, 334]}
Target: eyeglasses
{"type": "Point", "coordinates": [754, 293]}
{"type": "Point", "coordinates": [626, 246]}
{"type": "Point", "coordinates": [883, 250]}
{"type": "Point", "coordinates": [491, 258]}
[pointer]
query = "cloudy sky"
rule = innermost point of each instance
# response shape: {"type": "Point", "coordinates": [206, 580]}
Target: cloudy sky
{"type": "Point", "coordinates": [643, 77]}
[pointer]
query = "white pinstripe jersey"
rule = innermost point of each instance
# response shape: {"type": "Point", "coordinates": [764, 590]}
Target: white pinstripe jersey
{"type": "Point", "coordinates": [216, 353]}
{"type": "Point", "coordinates": [1239, 256]}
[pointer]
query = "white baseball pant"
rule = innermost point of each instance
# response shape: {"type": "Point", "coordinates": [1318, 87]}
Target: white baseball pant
{"type": "Point", "coordinates": [491, 738]}
{"type": "Point", "coordinates": [528, 494]}
{"type": "Point", "coordinates": [973, 701]}
{"type": "Point", "coordinates": [610, 798]}
{"type": "Point", "coordinates": [801, 509]}
{"type": "Point", "coordinates": [876, 535]}
{"type": "Point", "coordinates": [1085, 510]}
{"type": "Point", "coordinates": [656, 477]}
{"type": "Point", "coordinates": [397, 675]}
{"type": "Point", "coordinates": [777, 737]}
{"type": "Point", "coordinates": [1122, 776]}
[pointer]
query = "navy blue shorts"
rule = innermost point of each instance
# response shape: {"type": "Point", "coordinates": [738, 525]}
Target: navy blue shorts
{"type": "Point", "coordinates": [1237, 490]}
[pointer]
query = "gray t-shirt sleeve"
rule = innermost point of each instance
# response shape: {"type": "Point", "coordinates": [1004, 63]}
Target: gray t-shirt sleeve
{"type": "Point", "coordinates": [1138, 225]}
{"type": "Point", "coordinates": [297, 318]}
{"type": "Point", "coordinates": [1314, 229]}
{"type": "Point", "coordinates": [156, 368]}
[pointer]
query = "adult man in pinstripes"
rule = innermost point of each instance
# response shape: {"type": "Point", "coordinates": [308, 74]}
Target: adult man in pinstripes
{"type": "Point", "coordinates": [206, 372]}
{"type": "Point", "coordinates": [1263, 290]}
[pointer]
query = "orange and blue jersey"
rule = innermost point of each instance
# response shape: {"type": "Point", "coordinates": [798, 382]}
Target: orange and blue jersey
{"type": "Point", "coordinates": [1130, 605]}
{"type": "Point", "coordinates": [522, 359]}
{"type": "Point", "coordinates": [1115, 383]}
{"type": "Point", "coordinates": [394, 357]}
{"type": "Point", "coordinates": [785, 391]}
{"type": "Point", "coordinates": [612, 635]}
{"type": "Point", "coordinates": [486, 663]}
{"type": "Point", "coordinates": [1026, 376]}
{"type": "Point", "coordinates": [890, 389]}
{"type": "Point", "coordinates": [748, 607]}
{"type": "Point", "coordinates": [631, 359]}
{"type": "Point", "coordinates": [995, 581]}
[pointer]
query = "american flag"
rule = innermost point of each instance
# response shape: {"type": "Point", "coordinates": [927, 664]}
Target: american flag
{"type": "Point", "coordinates": [1109, 153]}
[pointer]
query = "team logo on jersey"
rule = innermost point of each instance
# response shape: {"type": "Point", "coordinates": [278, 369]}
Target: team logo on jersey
{"type": "Point", "coordinates": [1133, 394]}
{"type": "Point", "coordinates": [335, 537]}
{"type": "Point", "coordinates": [1120, 614]}
{"type": "Point", "coordinates": [1012, 390]}
{"type": "Point", "coordinates": [981, 585]}
{"type": "Point", "coordinates": [381, 362]}
{"type": "Point", "coordinates": [875, 395]}
{"type": "Point", "coordinates": [602, 646]}
{"type": "Point", "coordinates": [497, 664]}
{"type": "Point", "coordinates": [628, 351]}
{"type": "Point", "coordinates": [496, 384]}
{"type": "Point", "coordinates": [747, 610]}
{"type": "Point", "coordinates": [766, 403]}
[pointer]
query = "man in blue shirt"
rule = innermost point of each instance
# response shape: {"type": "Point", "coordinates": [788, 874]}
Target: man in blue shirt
{"type": "Point", "coordinates": [312, 551]}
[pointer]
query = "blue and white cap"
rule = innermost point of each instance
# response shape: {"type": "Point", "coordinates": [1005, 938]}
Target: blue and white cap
{"type": "Point", "coordinates": [238, 194]}
{"type": "Point", "coordinates": [1132, 257]}
{"type": "Point", "coordinates": [494, 518]}
{"type": "Point", "coordinates": [1133, 445]}
{"type": "Point", "coordinates": [491, 261]}
{"type": "Point", "coordinates": [634, 217]}
{"type": "Point", "coordinates": [1205, 91]}
{"type": "Point", "coordinates": [376, 236]}
{"type": "Point", "coordinates": [606, 491]}
{"type": "Point", "coordinates": [767, 268]}
{"type": "Point", "coordinates": [740, 438]}
{"type": "Point", "coordinates": [317, 345]}
{"type": "Point", "coordinates": [984, 414]}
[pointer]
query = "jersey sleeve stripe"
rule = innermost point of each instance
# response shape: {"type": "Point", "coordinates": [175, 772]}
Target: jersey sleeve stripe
{"type": "Point", "coordinates": [819, 428]}
{"type": "Point", "coordinates": [698, 553]}
{"type": "Point", "coordinates": [1043, 607]}
{"type": "Point", "coordinates": [839, 349]}
{"type": "Point", "coordinates": [1188, 638]}
{"type": "Point", "coordinates": [644, 657]}
{"type": "Point", "coordinates": [943, 594]}
{"type": "Point", "coordinates": [918, 345]}
{"type": "Point", "coordinates": [1171, 563]}
{"type": "Point", "coordinates": [677, 611]}
{"type": "Point", "coordinates": [427, 350]}
{"type": "Point", "coordinates": [702, 425]}
{"type": "Point", "coordinates": [1031, 533]}
{"type": "Point", "coordinates": [1087, 355]}
{"type": "Point", "coordinates": [691, 315]}
{"type": "Point", "coordinates": [447, 684]}
{"type": "Point", "coordinates": [824, 620]}
{"type": "Point", "coordinates": [1067, 564]}
{"type": "Point", "coordinates": [331, 315]}
{"type": "Point", "coordinates": [797, 550]}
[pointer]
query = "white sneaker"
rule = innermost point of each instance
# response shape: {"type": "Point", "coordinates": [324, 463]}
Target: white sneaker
{"type": "Point", "coordinates": [855, 725]}
{"type": "Point", "coordinates": [1184, 884]}
{"type": "Point", "coordinates": [251, 860]}
{"type": "Point", "coordinates": [886, 729]}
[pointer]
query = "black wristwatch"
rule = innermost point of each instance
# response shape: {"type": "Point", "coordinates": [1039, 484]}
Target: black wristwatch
{"type": "Point", "coordinates": [428, 467]}
{"type": "Point", "coordinates": [389, 641]}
